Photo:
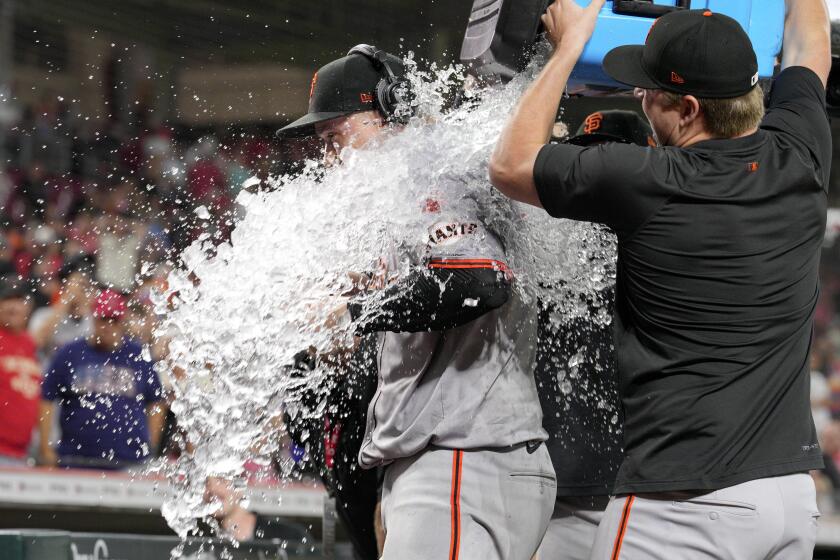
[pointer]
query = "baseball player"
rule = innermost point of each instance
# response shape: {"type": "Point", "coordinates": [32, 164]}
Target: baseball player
{"type": "Point", "coordinates": [719, 234]}
{"type": "Point", "coordinates": [577, 384]}
{"type": "Point", "coordinates": [456, 415]}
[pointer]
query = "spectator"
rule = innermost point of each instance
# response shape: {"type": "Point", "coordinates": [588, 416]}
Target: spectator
{"type": "Point", "coordinates": [31, 193]}
{"type": "Point", "coordinates": [236, 165]}
{"type": "Point", "coordinates": [832, 372]}
{"type": "Point", "coordinates": [81, 235]}
{"type": "Point", "coordinates": [140, 324]}
{"type": "Point", "coordinates": [828, 480]}
{"type": "Point", "coordinates": [120, 241]}
{"type": "Point", "coordinates": [820, 395]}
{"type": "Point", "coordinates": [68, 318]}
{"type": "Point", "coordinates": [206, 181]}
{"type": "Point", "coordinates": [20, 374]}
{"type": "Point", "coordinates": [107, 395]}
{"type": "Point", "coordinates": [44, 140]}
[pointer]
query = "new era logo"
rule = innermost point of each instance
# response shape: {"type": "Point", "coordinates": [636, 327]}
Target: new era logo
{"type": "Point", "coordinates": [366, 97]}
{"type": "Point", "coordinates": [752, 167]}
{"type": "Point", "coordinates": [676, 78]}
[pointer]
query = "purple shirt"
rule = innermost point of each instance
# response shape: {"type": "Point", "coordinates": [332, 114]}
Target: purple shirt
{"type": "Point", "coordinates": [102, 397]}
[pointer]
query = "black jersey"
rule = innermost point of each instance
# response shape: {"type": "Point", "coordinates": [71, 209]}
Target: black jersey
{"type": "Point", "coordinates": [717, 283]}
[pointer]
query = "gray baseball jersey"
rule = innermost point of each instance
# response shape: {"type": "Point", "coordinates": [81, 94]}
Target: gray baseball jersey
{"type": "Point", "coordinates": [467, 387]}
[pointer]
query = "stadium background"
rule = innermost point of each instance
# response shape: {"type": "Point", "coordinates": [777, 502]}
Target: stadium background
{"type": "Point", "coordinates": [126, 116]}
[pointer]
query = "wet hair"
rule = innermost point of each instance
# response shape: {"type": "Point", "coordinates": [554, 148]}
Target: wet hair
{"type": "Point", "coordinates": [727, 118]}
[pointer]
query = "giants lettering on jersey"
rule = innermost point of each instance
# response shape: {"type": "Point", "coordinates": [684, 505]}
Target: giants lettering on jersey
{"type": "Point", "coordinates": [448, 232]}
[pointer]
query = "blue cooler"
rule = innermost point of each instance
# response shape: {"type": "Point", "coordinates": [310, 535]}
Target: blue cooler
{"type": "Point", "coordinates": [627, 22]}
{"type": "Point", "coordinates": [501, 33]}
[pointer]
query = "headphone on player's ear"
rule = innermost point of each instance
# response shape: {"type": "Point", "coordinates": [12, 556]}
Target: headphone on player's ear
{"type": "Point", "coordinates": [392, 90]}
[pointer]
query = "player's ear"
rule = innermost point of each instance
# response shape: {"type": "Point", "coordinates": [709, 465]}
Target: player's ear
{"type": "Point", "coordinates": [689, 109]}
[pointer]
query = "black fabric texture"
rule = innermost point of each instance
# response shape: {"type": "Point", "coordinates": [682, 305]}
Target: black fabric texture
{"type": "Point", "coordinates": [577, 386]}
{"type": "Point", "coordinates": [432, 299]}
{"type": "Point", "coordinates": [355, 489]}
{"type": "Point", "coordinates": [717, 283]}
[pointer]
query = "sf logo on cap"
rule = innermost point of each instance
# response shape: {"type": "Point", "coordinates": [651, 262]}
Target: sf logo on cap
{"type": "Point", "coordinates": [592, 123]}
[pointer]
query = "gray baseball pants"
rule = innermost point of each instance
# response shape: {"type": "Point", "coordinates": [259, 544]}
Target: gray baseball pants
{"type": "Point", "coordinates": [768, 518]}
{"type": "Point", "coordinates": [571, 532]}
{"type": "Point", "coordinates": [489, 504]}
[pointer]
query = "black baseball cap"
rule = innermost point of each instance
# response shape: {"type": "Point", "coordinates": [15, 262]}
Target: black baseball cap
{"type": "Point", "coordinates": [613, 126]}
{"type": "Point", "coordinates": [344, 86]}
{"type": "Point", "coordinates": [693, 52]}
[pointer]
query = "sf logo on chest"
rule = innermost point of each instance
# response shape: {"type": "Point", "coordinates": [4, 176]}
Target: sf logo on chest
{"type": "Point", "coordinates": [443, 233]}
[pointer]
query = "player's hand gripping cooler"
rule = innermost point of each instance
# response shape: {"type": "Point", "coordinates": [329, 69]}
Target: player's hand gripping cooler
{"type": "Point", "coordinates": [501, 34]}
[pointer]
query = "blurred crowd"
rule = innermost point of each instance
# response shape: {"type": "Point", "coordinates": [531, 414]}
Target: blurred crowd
{"type": "Point", "coordinates": [92, 219]}
{"type": "Point", "coordinates": [825, 375]}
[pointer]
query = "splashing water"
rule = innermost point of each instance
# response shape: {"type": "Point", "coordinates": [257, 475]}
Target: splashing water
{"type": "Point", "coordinates": [237, 314]}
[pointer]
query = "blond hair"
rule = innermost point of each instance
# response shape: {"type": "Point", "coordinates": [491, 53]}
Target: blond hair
{"type": "Point", "coordinates": [728, 118]}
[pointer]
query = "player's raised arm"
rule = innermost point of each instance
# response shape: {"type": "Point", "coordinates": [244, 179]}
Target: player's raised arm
{"type": "Point", "coordinates": [568, 27]}
{"type": "Point", "coordinates": [808, 37]}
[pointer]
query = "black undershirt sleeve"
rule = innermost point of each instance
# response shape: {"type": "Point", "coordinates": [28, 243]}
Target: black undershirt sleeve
{"type": "Point", "coordinates": [431, 300]}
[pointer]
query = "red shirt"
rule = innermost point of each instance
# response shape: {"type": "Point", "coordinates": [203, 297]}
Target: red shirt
{"type": "Point", "coordinates": [20, 392]}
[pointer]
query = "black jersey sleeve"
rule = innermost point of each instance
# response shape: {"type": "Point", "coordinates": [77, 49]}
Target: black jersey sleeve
{"type": "Point", "coordinates": [797, 108]}
{"type": "Point", "coordinates": [432, 299]}
{"type": "Point", "coordinates": [619, 185]}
